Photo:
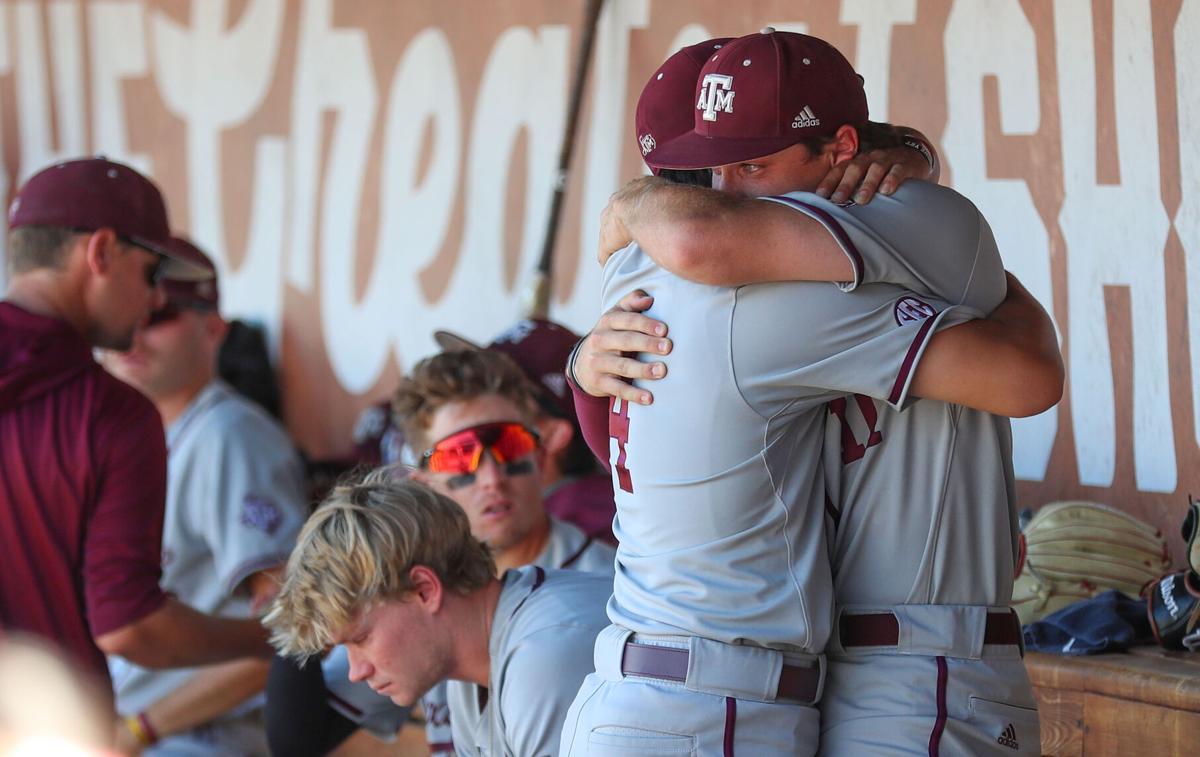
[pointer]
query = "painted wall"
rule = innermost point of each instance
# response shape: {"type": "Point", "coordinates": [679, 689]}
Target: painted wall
{"type": "Point", "coordinates": [367, 171]}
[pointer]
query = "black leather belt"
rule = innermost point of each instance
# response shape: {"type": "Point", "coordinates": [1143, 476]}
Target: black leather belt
{"type": "Point", "coordinates": [798, 684]}
{"type": "Point", "coordinates": [882, 629]}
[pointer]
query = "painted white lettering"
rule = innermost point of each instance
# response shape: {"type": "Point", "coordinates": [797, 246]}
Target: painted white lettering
{"type": "Point", "coordinates": [607, 141]}
{"type": "Point", "coordinates": [214, 77]}
{"type": "Point", "coordinates": [995, 39]}
{"type": "Point", "coordinates": [1187, 62]}
{"type": "Point", "coordinates": [412, 227]}
{"type": "Point", "coordinates": [874, 49]}
{"type": "Point", "coordinates": [35, 128]}
{"type": "Point", "coordinates": [117, 39]}
{"type": "Point", "coordinates": [1115, 236]}
{"type": "Point", "coordinates": [333, 73]}
{"type": "Point", "coordinates": [523, 91]}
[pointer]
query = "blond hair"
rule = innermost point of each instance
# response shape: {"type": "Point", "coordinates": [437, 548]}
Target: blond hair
{"type": "Point", "coordinates": [455, 376]}
{"type": "Point", "coordinates": [359, 548]}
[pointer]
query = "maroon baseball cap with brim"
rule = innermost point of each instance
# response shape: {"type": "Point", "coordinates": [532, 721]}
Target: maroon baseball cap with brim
{"type": "Point", "coordinates": [191, 292]}
{"type": "Point", "coordinates": [664, 109]}
{"type": "Point", "coordinates": [541, 349]}
{"type": "Point", "coordinates": [762, 93]}
{"type": "Point", "coordinates": [97, 193]}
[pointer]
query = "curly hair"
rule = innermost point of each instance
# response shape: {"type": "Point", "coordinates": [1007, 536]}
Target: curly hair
{"type": "Point", "coordinates": [455, 376]}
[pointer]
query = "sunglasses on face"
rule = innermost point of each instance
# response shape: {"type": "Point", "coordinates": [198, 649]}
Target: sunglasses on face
{"type": "Point", "coordinates": [170, 312]}
{"type": "Point", "coordinates": [461, 453]}
{"type": "Point", "coordinates": [154, 271]}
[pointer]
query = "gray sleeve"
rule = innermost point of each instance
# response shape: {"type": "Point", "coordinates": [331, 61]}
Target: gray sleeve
{"type": "Point", "coordinates": [924, 237]}
{"type": "Point", "coordinates": [552, 668]}
{"type": "Point", "coordinates": [795, 345]}
{"type": "Point", "coordinates": [258, 499]}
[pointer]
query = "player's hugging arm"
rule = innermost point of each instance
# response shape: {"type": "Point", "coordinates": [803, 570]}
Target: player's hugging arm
{"type": "Point", "coordinates": [1007, 364]}
{"type": "Point", "coordinates": [720, 238]}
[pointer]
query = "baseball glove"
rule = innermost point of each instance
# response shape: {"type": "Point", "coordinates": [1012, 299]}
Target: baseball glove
{"type": "Point", "coordinates": [1173, 605]}
{"type": "Point", "coordinates": [1074, 550]}
{"type": "Point", "coordinates": [1191, 535]}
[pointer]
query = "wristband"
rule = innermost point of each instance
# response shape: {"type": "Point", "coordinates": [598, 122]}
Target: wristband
{"type": "Point", "coordinates": [570, 370]}
{"type": "Point", "coordinates": [139, 726]}
{"type": "Point", "coordinates": [913, 143]}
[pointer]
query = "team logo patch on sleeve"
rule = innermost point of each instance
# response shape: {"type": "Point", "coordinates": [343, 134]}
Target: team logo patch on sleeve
{"type": "Point", "coordinates": [909, 309]}
{"type": "Point", "coordinates": [261, 514]}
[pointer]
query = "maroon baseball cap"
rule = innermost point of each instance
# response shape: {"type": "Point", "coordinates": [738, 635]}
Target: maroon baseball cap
{"type": "Point", "coordinates": [97, 193]}
{"type": "Point", "coordinates": [664, 109]}
{"type": "Point", "coordinates": [190, 292]}
{"type": "Point", "coordinates": [765, 92]}
{"type": "Point", "coordinates": [541, 349]}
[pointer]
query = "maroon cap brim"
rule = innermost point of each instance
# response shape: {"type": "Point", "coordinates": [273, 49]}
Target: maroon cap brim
{"type": "Point", "coordinates": [692, 151]}
{"type": "Point", "coordinates": [174, 266]}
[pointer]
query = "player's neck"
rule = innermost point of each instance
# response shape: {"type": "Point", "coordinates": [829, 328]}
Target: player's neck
{"type": "Point", "coordinates": [46, 292]}
{"type": "Point", "coordinates": [171, 405]}
{"type": "Point", "coordinates": [527, 550]}
{"type": "Point", "coordinates": [473, 618]}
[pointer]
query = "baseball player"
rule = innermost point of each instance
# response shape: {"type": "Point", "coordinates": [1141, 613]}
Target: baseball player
{"type": "Point", "coordinates": [235, 502]}
{"type": "Point", "coordinates": [926, 653]}
{"type": "Point", "coordinates": [459, 400]}
{"type": "Point", "coordinates": [392, 570]}
{"type": "Point", "coordinates": [722, 600]}
{"type": "Point", "coordinates": [574, 490]}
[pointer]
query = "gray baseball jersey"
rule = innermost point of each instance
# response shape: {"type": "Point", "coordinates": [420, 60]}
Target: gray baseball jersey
{"type": "Point", "coordinates": [542, 636]}
{"type": "Point", "coordinates": [718, 483]}
{"type": "Point", "coordinates": [923, 516]}
{"type": "Point", "coordinates": [235, 503]}
{"type": "Point", "coordinates": [567, 548]}
{"type": "Point", "coordinates": [924, 500]}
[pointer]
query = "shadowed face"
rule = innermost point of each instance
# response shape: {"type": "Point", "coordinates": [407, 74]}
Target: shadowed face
{"type": "Point", "coordinates": [792, 169]}
{"type": "Point", "coordinates": [399, 648]}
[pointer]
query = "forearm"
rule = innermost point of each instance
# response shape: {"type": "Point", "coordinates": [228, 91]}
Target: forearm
{"type": "Point", "coordinates": [592, 413]}
{"type": "Point", "coordinates": [1008, 363]}
{"type": "Point", "coordinates": [175, 636]}
{"type": "Point", "coordinates": [722, 239]}
{"type": "Point", "coordinates": [207, 695]}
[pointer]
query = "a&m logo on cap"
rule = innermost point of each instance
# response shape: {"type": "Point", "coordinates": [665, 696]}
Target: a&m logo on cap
{"type": "Point", "coordinates": [648, 144]}
{"type": "Point", "coordinates": [716, 95]}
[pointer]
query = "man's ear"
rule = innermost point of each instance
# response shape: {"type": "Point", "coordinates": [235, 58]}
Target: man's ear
{"type": "Point", "coordinates": [555, 433]}
{"type": "Point", "coordinates": [427, 588]}
{"type": "Point", "coordinates": [216, 327]}
{"type": "Point", "coordinates": [844, 145]}
{"type": "Point", "coordinates": [99, 249]}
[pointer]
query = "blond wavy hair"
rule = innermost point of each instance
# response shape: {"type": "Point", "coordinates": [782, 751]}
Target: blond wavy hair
{"type": "Point", "coordinates": [359, 547]}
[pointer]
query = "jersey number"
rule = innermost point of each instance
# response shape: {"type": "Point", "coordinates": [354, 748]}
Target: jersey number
{"type": "Point", "coordinates": [618, 428]}
{"type": "Point", "coordinates": [851, 449]}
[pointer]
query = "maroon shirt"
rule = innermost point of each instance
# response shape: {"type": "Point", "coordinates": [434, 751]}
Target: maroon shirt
{"type": "Point", "coordinates": [83, 467]}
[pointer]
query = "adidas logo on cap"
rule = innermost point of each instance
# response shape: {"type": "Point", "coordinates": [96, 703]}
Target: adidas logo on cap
{"type": "Point", "coordinates": [1008, 738]}
{"type": "Point", "coordinates": [805, 119]}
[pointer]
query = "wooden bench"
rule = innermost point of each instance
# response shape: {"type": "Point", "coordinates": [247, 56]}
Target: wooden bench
{"type": "Point", "coordinates": [1145, 702]}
